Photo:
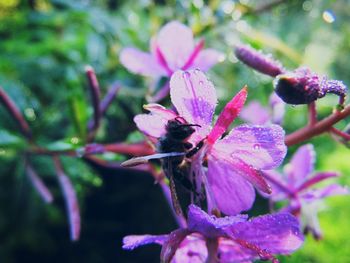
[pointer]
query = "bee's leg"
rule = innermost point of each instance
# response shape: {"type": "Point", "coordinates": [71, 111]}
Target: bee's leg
{"type": "Point", "coordinates": [169, 172]}
{"type": "Point", "coordinates": [174, 198]}
{"type": "Point", "coordinates": [194, 150]}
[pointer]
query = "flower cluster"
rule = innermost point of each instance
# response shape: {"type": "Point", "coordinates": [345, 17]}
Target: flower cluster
{"type": "Point", "coordinates": [227, 165]}
{"type": "Point", "coordinates": [227, 239]}
{"type": "Point", "coordinates": [296, 186]}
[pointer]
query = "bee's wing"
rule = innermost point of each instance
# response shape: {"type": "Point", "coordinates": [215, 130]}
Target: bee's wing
{"type": "Point", "coordinates": [169, 173]}
{"type": "Point", "coordinates": [144, 159]}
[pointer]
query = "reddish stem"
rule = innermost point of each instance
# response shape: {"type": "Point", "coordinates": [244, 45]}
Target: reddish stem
{"type": "Point", "coordinates": [312, 113]}
{"type": "Point", "coordinates": [339, 133]}
{"type": "Point", "coordinates": [15, 113]}
{"type": "Point", "coordinates": [325, 125]}
{"type": "Point", "coordinates": [95, 97]}
{"type": "Point", "coordinates": [136, 149]}
{"type": "Point", "coordinates": [71, 200]}
{"type": "Point", "coordinates": [106, 101]}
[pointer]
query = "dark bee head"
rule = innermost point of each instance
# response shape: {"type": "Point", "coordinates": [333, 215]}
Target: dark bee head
{"type": "Point", "coordinates": [179, 130]}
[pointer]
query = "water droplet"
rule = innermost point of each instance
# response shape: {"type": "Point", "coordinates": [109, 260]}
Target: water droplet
{"type": "Point", "coordinates": [256, 146]}
{"type": "Point", "coordinates": [201, 82]}
{"type": "Point", "coordinates": [328, 16]}
{"type": "Point", "coordinates": [186, 74]}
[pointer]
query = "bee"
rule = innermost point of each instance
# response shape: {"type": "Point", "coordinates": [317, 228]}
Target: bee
{"type": "Point", "coordinates": [172, 148]}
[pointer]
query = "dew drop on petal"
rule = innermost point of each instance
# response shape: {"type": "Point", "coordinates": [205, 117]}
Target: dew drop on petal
{"type": "Point", "coordinates": [186, 75]}
{"type": "Point", "coordinates": [256, 146]}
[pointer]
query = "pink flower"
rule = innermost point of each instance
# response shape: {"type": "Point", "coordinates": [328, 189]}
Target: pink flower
{"type": "Point", "coordinates": [172, 49]}
{"type": "Point", "coordinates": [296, 186]}
{"type": "Point", "coordinates": [234, 163]}
{"type": "Point", "coordinates": [227, 239]}
{"type": "Point", "coordinates": [255, 113]}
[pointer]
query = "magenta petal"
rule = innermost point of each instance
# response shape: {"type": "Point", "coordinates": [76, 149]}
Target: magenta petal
{"type": "Point", "coordinates": [277, 233]}
{"type": "Point", "coordinates": [194, 97]}
{"type": "Point", "coordinates": [140, 62]}
{"type": "Point", "coordinates": [133, 241]}
{"type": "Point", "coordinates": [192, 249]}
{"type": "Point", "coordinates": [172, 243]}
{"type": "Point", "coordinates": [260, 146]}
{"type": "Point", "coordinates": [255, 113]}
{"type": "Point", "coordinates": [330, 190]}
{"type": "Point", "coordinates": [232, 193]}
{"type": "Point", "coordinates": [319, 177]}
{"type": "Point", "coordinates": [210, 226]}
{"type": "Point", "coordinates": [176, 44]}
{"type": "Point", "coordinates": [301, 166]}
{"type": "Point", "coordinates": [153, 124]}
{"type": "Point", "coordinates": [207, 58]}
{"type": "Point", "coordinates": [228, 114]}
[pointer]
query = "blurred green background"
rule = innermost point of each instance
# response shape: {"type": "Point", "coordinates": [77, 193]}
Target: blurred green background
{"type": "Point", "coordinates": [44, 47]}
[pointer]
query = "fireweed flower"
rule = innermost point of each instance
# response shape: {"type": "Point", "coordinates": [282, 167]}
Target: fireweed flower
{"type": "Point", "coordinates": [228, 239]}
{"type": "Point", "coordinates": [301, 86]}
{"type": "Point", "coordinates": [234, 163]}
{"type": "Point", "coordinates": [255, 113]}
{"type": "Point", "coordinates": [172, 49]}
{"type": "Point", "coordinates": [296, 187]}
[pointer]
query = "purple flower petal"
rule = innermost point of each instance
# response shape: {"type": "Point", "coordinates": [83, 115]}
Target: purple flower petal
{"type": "Point", "coordinates": [330, 190]}
{"type": "Point", "coordinates": [233, 193]}
{"type": "Point", "coordinates": [153, 124]}
{"type": "Point", "coordinates": [278, 108]}
{"type": "Point", "coordinates": [277, 233]}
{"type": "Point", "coordinates": [175, 41]}
{"type": "Point", "coordinates": [260, 146]}
{"type": "Point", "coordinates": [194, 97]}
{"type": "Point", "coordinates": [229, 251]}
{"type": "Point", "coordinates": [192, 249]}
{"type": "Point", "coordinates": [140, 62]}
{"type": "Point", "coordinates": [301, 166]}
{"type": "Point", "coordinates": [172, 243]}
{"type": "Point", "coordinates": [255, 113]}
{"type": "Point", "coordinates": [210, 226]}
{"type": "Point", "coordinates": [195, 52]}
{"type": "Point", "coordinates": [207, 58]}
{"type": "Point", "coordinates": [133, 241]}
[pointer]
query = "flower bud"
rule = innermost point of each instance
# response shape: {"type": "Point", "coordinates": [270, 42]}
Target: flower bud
{"type": "Point", "coordinates": [303, 87]}
{"type": "Point", "coordinates": [257, 60]}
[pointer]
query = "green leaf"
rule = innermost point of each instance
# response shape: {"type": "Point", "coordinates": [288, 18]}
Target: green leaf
{"type": "Point", "coordinates": [8, 139]}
